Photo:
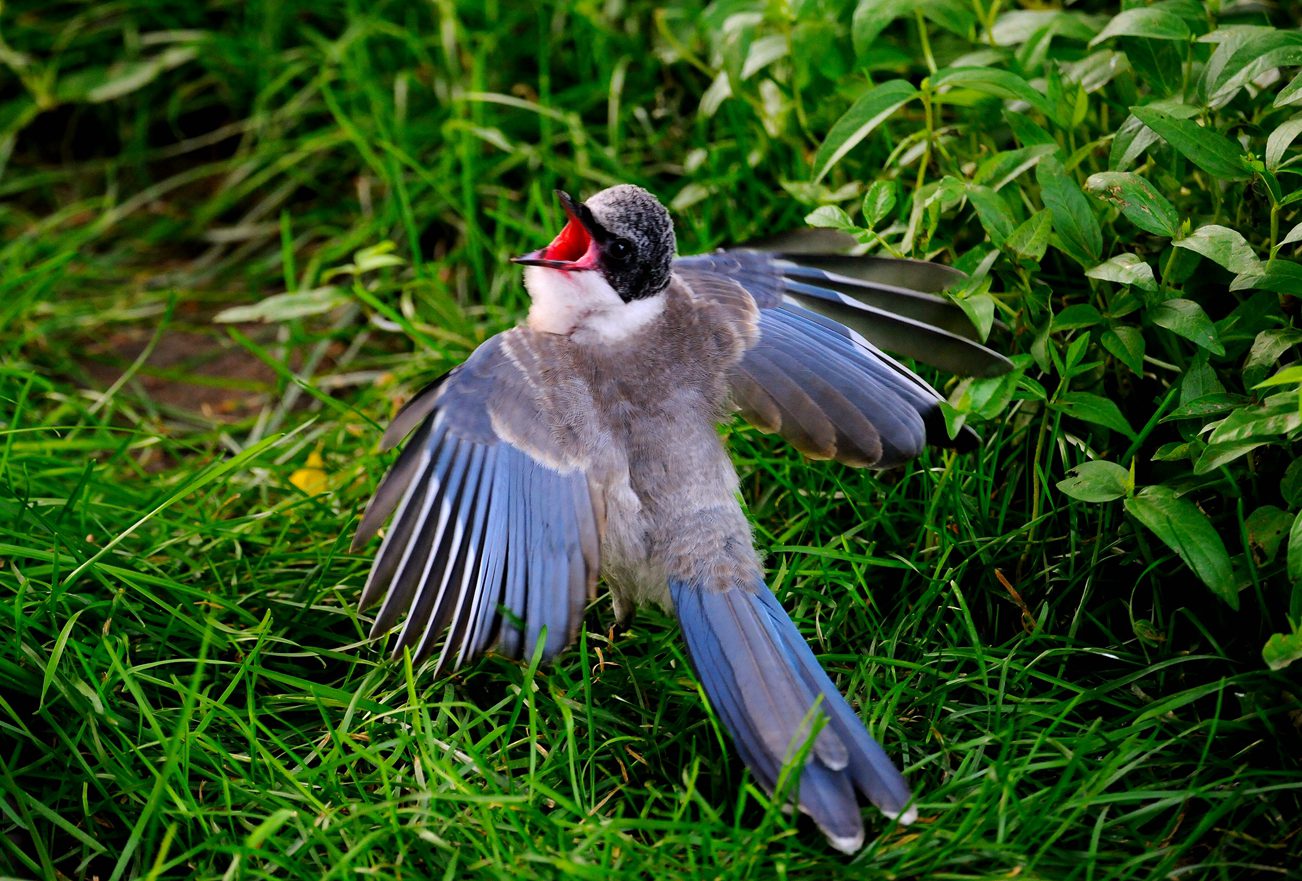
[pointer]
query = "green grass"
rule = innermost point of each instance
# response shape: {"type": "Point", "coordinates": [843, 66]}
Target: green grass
{"type": "Point", "coordinates": [185, 687]}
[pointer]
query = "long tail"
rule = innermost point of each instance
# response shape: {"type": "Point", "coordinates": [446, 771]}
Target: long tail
{"type": "Point", "coordinates": [763, 682]}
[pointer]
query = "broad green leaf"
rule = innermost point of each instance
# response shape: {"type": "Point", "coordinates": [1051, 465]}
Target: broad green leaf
{"type": "Point", "coordinates": [955, 16]}
{"type": "Point", "coordinates": [1143, 206]}
{"type": "Point", "coordinates": [284, 307]}
{"type": "Point", "coordinates": [1276, 48]}
{"type": "Point", "coordinates": [1018, 26]}
{"type": "Point", "coordinates": [871, 16]}
{"type": "Point", "coordinates": [1266, 527]}
{"type": "Point", "coordinates": [1187, 319]}
{"type": "Point", "coordinates": [1030, 240]}
{"type": "Point", "coordinates": [996, 82]}
{"type": "Point", "coordinates": [1266, 349]}
{"type": "Point", "coordinates": [993, 213]}
{"type": "Point", "coordinates": [1280, 140]}
{"type": "Point", "coordinates": [830, 217]}
{"type": "Point", "coordinates": [1007, 165]}
{"type": "Point", "coordinates": [1280, 276]}
{"type": "Point", "coordinates": [1282, 649]}
{"type": "Point", "coordinates": [1291, 487]}
{"type": "Point", "coordinates": [1027, 131]}
{"type": "Point", "coordinates": [1295, 549]}
{"type": "Point", "coordinates": [857, 123]}
{"type": "Point", "coordinates": [1172, 452]}
{"type": "Point", "coordinates": [1215, 456]}
{"type": "Point", "coordinates": [1146, 22]}
{"type": "Point", "coordinates": [1273, 420]}
{"type": "Point", "coordinates": [1199, 380]}
{"type": "Point", "coordinates": [1288, 376]}
{"type": "Point", "coordinates": [1097, 481]}
{"type": "Point", "coordinates": [1133, 138]}
{"type": "Point", "coordinates": [764, 52]}
{"type": "Point", "coordinates": [1187, 531]}
{"type": "Point", "coordinates": [1093, 408]}
{"type": "Point", "coordinates": [1208, 149]}
{"type": "Point", "coordinates": [1223, 246]}
{"type": "Point", "coordinates": [1125, 269]}
{"type": "Point", "coordinates": [1096, 70]}
{"type": "Point", "coordinates": [1076, 316]}
{"type": "Point", "coordinates": [1293, 235]}
{"type": "Point", "coordinates": [1216, 404]}
{"type": "Point", "coordinates": [1126, 343]}
{"type": "Point", "coordinates": [1073, 215]}
{"type": "Point", "coordinates": [879, 202]}
{"type": "Point", "coordinates": [1290, 94]}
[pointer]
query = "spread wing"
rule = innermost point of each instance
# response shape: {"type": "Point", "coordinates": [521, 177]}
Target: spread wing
{"type": "Point", "coordinates": [496, 533]}
{"type": "Point", "coordinates": [816, 375]}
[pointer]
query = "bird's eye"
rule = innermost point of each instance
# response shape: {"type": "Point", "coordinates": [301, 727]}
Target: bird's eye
{"type": "Point", "coordinates": [620, 250]}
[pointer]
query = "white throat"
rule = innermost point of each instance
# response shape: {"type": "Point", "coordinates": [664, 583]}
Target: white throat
{"type": "Point", "coordinates": [584, 306]}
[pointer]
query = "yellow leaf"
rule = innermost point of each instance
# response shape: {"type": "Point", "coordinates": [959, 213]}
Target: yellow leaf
{"type": "Point", "coordinates": [312, 478]}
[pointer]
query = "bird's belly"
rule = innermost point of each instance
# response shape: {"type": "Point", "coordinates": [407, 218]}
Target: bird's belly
{"type": "Point", "coordinates": [634, 577]}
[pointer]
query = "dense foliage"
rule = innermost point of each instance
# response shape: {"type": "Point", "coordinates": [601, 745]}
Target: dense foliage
{"type": "Point", "coordinates": [234, 236]}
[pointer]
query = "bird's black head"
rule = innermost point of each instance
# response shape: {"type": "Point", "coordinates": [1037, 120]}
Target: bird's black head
{"type": "Point", "coordinates": [623, 232]}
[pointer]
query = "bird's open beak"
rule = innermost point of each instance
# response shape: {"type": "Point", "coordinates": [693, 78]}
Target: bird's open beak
{"type": "Point", "coordinates": [576, 246]}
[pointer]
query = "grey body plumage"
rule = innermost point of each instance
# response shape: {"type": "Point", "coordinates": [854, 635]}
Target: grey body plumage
{"type": "Point", "coordinates": [585, 441]}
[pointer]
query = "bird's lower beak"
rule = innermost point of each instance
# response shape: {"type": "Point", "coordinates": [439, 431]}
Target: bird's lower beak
{"type": "Point", "coordinates": [574, 248]}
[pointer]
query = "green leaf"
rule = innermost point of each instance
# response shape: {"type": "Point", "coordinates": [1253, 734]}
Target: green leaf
{"type": "Point", "coordinates": [1129, 269]}
{"type": "Point", "coordinates": [1295, 550]}
{"type": "Point", "coordinates": [830, 217]}
{"type": "Point", "coordinates": [870, 111]}
{"type": "Point", "coordinates": [1269, 49]}
{"type": "Point", "coordinates": [1133, 138]}
{"type": "Point", "coordinates": [1223, 246]}
{"type": "Point", "coordinates": [1147, 22]}
{"type": "Point", "coordinates": [1282, 649]}
{"type": "Point", "coordinates": [879, 202]}
{"type": "Point", "coordinates": [1279, 276]}
{"type": "Point", "coordinates": [1076, 316]}
{"type": "Point", "coordinates": [996, 82]}
{"type": "Point", "coordinates": [1097, 481]}
{"type": "Point", "coordinates": [1073, 216]}
{"type": "Point", "coordinates": [1290, 94]}
{"type": "Point", "coordinates": [993, 213]}
{"type": "Point", "coordinates": [1208, 149]}
{"type": "Point", "coordinates": [1266, 527]}
{"type": "Point", "coordinates": [285, 307]}
{"type": "Point", "coordinates": [1272, 419]}
{"type": "Point", "coordinates": [1030, 240]}
{"type": "Point", "coordinates": [1093, 408]}
{"type": "Point", "coordinates": [1143, 206]}
{"type": "Point", "coordinates": [1293, 235]}
{"type": "Point", "coordinates": [1215, 404]}
{"type": "Point", "coordinates": [1126, 343]}
{"type": "Point", "coordinates": [1288, 376]}
{"type": "Point", "coordinates": [1214, 456]}
{"type": "Point", "coordinates": [1187, 531]}
{"type": "Point", "coordinates": [1266, 350]}
{"type": "Point", "coordinates": [872, 16]}
{"type": "Point", "coordinates": [1280, 140]}
{"type": "Point", "coordinates": [1187, 319]}
{"type": "Point", "coordinates": [1291, 486]}
{"type": "Point", "coordinates": [1007, 165]}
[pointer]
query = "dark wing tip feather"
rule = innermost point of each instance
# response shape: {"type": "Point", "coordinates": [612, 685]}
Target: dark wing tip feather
{"type": "Point", "coordinates": [765, 685]}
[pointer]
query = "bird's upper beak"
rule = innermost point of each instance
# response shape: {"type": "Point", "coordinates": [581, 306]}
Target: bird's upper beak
{"type": "Point", "coordinates": [577, 246]}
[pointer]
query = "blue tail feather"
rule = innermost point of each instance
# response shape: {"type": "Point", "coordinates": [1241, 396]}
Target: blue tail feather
{"type": "Point", "coordinates": [763, 681]}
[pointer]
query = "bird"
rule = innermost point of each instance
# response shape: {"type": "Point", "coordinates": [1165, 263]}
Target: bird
{"type": "Point", "coordinates": [583, 443]}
